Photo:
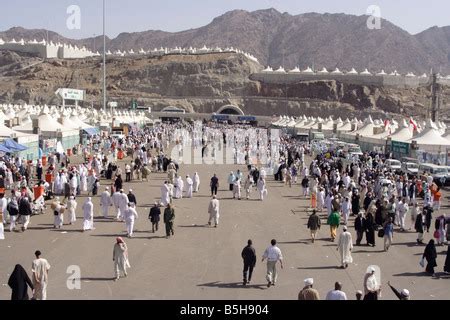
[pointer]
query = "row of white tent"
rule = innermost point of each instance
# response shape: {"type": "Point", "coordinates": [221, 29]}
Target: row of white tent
{"type": "Point", "coordinates": [156, 51]}
{"type": "Point", "coordinates": [179, 50]}
{"type": "Point", "coordinates": [336, 71]}
{"type": "Point", "coordinates": [53, 118]}
{"type": "Point", "coordinates": [426, 133]}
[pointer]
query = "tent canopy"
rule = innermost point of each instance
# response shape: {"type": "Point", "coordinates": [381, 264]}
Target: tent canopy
{"type": "Point", "coordinates": [4, 149]}
{"type": "Point", "coordinates": [13, 145]}
{"type": "Point", "coordinates": [91, 131]}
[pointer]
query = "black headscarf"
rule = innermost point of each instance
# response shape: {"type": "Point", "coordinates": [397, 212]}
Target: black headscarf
{"type": "Point", "coordinates": [18, 283]}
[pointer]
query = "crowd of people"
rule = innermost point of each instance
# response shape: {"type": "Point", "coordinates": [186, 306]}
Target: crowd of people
{"type": "Point", "coordinates": [338, 190]}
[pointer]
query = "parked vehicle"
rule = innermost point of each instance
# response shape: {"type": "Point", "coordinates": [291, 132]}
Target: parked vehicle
{"type": "Point", "coordinates": [393, 165]}
{"type": "Point", "coordinates": [410, 168]}
{"type": "Point", "coordinates": [440, 174]}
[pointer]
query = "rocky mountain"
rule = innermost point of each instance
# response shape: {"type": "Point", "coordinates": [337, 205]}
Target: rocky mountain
{"type": "Point", "coordinates": [199, 83]}
{"type": "Point", "coordinates": [311, 39]}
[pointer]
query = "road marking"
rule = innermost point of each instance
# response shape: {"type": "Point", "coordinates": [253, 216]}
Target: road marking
{"type": "Point", "coordinates": [54, 240]}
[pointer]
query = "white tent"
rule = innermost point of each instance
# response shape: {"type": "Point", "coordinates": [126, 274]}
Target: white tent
{"type": "Point", "coordinates": [404, 134]}
{"type": "Point", "coordinates": [430, 138]}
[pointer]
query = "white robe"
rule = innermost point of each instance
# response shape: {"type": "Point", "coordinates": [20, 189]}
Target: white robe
{"type": "Point", "coordinates": [130, 216]}
{"type": "Point", "coordinates": [123, 203]}
{"type": "Point", "coordinates": [179, 188]}
{"type": "Point", "coordinates": [345, 244]}
{"type": "Point", "coordinates": [261, 185]}
{"type": "Point", "coordinates": [196, 182]}
{"type": "Point", "coordinates": [71, 207]}
{"type": "Point", "coordinates": [115, 200]}
{"type": "Point", "coordinates": [214, 211]}
{"type": "Point", "coordinates": [105, 203]}
{"type": "Point", "coordinates": [88, 215]}
{"type": "Point", "coordinates": [189, 191]}
{"type": "Point", "coordinates": [165, 198]}
{"type": "Point", "coordinates": [83, 181]}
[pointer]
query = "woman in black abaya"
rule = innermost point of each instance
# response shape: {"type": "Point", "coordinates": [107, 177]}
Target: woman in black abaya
{"type": "Point", "coordinates": [430, 255]}
{"type": "Point", "coordinates": [19, 282]}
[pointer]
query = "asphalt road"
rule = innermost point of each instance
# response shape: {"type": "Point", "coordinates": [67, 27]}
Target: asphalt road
{"type": "Point", "coordinates": [204, 263]}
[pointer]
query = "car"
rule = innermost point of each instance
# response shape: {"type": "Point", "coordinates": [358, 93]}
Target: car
{"type": "Point", "coordinates": [393, 165]}
{"type": "Point", "coordinates": [440, 174]}
{"type": "Point", "coordinates": [410, 168]}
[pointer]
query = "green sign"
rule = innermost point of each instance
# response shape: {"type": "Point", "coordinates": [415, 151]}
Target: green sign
{"type": "Point", "coordinates": [400, 147]}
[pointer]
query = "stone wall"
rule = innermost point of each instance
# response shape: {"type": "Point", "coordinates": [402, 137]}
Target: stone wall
{"type": "Point", "coordinates": [366, 80]}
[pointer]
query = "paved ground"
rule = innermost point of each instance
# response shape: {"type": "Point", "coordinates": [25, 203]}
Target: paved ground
{"type": "Point", "coordinates": [204, 263]}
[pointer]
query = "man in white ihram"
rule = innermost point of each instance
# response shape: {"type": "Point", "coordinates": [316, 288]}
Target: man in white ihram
{"type": "Point", "coordinates": [130, 216]}
{"type": "Point", "coordinates": [40, 269]}
{"type": "Point", "coordinates": [105, 202]}
{"type": "Point", "coordinates": [273, 255]}
{"type": "Point", "coordinates": [115, 201]}
{"type": "Point", "coordinates": [196, 181]}
{"type": "Point", "coordinates": [122, 202]}
{"type": "Point", "coordinates": [189, 184]}
{"type": "Point", "coordinates": [345, 246]}
{"type": "Point", "coordinates": [165, 197]}
{"type": "Point", "coordinates": [214, 211]}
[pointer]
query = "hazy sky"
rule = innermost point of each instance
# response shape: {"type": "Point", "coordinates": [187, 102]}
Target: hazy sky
{"type": "Point", "coordinates": [177, 15]}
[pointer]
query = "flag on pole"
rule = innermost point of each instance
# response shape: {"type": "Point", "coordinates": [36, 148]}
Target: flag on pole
{"type": "Point", "coordinates": [414, 124]}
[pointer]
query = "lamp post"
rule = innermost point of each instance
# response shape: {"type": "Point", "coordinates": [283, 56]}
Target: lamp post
{"type": "Point", "coordinates": [104, 59]}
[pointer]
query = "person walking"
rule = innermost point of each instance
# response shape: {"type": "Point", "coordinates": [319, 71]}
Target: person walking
{"type": "Point", "coordinates": [169, 218]}
{"type": "Point", "coordinates": [308, 293]}
{"type": "Point", "coordinates": [261, 186]}
{"type": "Point", "coordinates": [419, 226]}
{"type": "Point", "coordinates": [337, 293]}
{"type": "Point", "coordinates": [196, 182]}
{"type": "Point", "coordinates": [333, 220]}
{"type": "Point", "coordinates": [214, 211]}
{"type": "Point", "coordinates": [273, 255]}
{"type": "Point", "coordinates": [131, 197]}
{"type": "Point", "coordinates": [19, 283]}
{"type": "Point", "coordinates": [388, 233]}
{"type": "Point", "coordinates": [430, 255]}
{"type": "Point", "coordinates": [130, 216]}
{"type": "Point", "coordinates": [313, 224]}
{"type": "Point", "coordinates": [88, 215]}
{"type": "Point", "coordinates": [369, 226]}
{"type": "Point", "coordinates": [105, 202]}
{"type": "Point", "coordinates": [214, 184]}
{"type": "Point", "coordinates": [40, 268]}
{"type": "Point", "coordinates": [447, 259]}
{"type": "Point", "coordinates": [71, 208]}
{"type": "Point", "coordinates": [120, 258]}
{"type": "Point", "coordinates": [154, 216]}
{"type": "Point", "coordinates": [190, 188]}
{"type": "Point", "coordinates": [249, 257]}
{"type": "Point", "coordinates": [13, 209]}
{"type": "Point", "coordinates": [345, 246]}
{"type": "Point", "coordinates": [359, 228]}
{"type": "Point", "coordinates": [25, 212]}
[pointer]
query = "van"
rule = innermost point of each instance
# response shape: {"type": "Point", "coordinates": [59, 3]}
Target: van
{"type": "Point", "coordinates": [439, 173]}
{"type": "Point", "coordinates": [353, 149]}
{"type": "Point", "coordinates": [410, 168]}
{"type": "Point", "coordinates": [393, 165]}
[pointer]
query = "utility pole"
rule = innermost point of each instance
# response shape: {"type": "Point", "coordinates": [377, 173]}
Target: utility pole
{"type": "Point", "coordinates": [434, 98]}
{"type": "Point", "coordinates": [104, 60]}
